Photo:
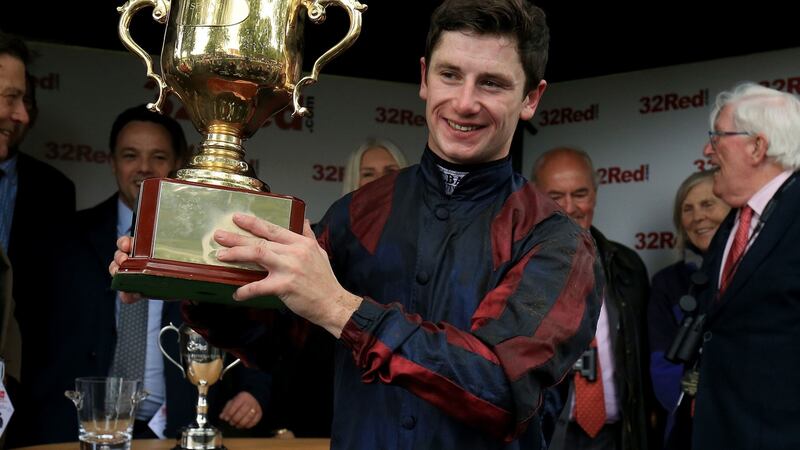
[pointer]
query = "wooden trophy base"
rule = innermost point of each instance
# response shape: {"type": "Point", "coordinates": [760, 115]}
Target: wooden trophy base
{"type": "Point", "coordinates": [173, 255]}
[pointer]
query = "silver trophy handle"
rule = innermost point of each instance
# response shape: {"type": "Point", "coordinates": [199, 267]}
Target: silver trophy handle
{"type": "Point", "coordinates": [230, 366]}
{"type": "Point", "coordinates": [164, 352]}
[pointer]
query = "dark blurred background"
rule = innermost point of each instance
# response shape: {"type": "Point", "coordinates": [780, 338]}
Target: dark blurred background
{"type": "Point", "coordinates": [588, 38]}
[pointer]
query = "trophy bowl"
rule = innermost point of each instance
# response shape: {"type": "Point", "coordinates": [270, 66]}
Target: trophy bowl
{"type": "Point", "coordinates": [233, 64]}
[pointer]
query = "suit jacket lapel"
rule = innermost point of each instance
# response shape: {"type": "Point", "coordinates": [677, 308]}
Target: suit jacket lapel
{"type": "Point", "coordinates": [607, 254]}
{"type": "Point", "coordinates": [102, 235]}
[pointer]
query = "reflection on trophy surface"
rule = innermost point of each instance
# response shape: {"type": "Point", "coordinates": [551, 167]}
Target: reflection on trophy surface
{"type": "Point", "coordinates": [233, 64]}
{"type": "Point", "coordinates": [208, 373]}
{"type": "Point", "coordinates": [202, 364]}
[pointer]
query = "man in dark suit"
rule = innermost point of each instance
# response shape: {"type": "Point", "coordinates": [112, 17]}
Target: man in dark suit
{"type": "Point", "coordinates": [748, 395]}
{"type": "Point", "coordinates": [35, 199]}
{"type": "Point", "coordinates": [623, 400]}
{"type": "Point", "coordinates": [87, 321]}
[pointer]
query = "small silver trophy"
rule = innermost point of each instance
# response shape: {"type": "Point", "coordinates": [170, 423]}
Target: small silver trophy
{"type": "Point", "coordinates": [202, 364]}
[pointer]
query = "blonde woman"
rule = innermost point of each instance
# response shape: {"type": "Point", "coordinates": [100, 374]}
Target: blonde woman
{"type": "Point", "coordinates": [373, 159]}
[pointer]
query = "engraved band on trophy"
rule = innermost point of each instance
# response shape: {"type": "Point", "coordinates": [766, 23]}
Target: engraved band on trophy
{"type": "Point", "coordinates": [233, 64]}
{"type": "Point", "coordinates": [202, 364]}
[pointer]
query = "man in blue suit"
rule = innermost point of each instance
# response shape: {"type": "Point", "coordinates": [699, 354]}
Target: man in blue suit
{"type": "Point", "coordinates": [86, 321]}
{"type": "Point", "coordinates": [748, 392]}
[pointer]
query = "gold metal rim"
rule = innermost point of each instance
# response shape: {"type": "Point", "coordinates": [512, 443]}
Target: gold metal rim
{"type": "Point", "coordinates": [220, 179]}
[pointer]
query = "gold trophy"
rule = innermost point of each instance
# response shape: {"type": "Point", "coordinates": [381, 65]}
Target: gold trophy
{"type": "Point", "coordinates": [202, 364]}
{"type": "Point", "coordinates": [233, 64]}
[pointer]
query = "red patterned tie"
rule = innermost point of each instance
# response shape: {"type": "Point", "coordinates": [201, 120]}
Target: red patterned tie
{"type": "Point", "coordinates": [737, 248]}
{"type": "Point", "coordinates": [590, 405]}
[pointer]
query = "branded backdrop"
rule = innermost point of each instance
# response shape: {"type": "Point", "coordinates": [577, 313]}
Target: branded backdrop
{"type": "Point", "coordinates": [645, 130]}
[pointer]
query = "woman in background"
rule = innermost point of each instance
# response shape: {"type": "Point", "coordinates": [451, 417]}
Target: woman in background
{"type": "Point", "coordinates": [372, 160]}
{"type": "Point", "coordinates": [697, 214]}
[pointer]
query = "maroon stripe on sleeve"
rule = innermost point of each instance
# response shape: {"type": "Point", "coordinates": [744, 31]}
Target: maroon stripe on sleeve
{"type": "Point", "coordinates": [521, 211]}
{"type": "Point", "coordinates": [522, 353]}
{"type": "Point", "coordinates": [369, 210]}
{"type": "Point", "coordinates": [368, 352]}
{"type": "Point", "coordinates": [449, 397]}
{"type": "Point", "coordinates": [494, 302]}
{"type": "Point", "coordinates": [324, 240]}
{"type": "Point", "coordinates": [358, 340]}
{"type": "Point", "coordinates": [371, 354]}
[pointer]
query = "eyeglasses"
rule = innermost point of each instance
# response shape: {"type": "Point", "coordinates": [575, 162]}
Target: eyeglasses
{"type": "Point", "coordinates": [715, 136]}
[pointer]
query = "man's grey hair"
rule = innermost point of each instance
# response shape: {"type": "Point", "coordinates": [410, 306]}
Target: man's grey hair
{"type": "Point", "coordinates": [775, 114]}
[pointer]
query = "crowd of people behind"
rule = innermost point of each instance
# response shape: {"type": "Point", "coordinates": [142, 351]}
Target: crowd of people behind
{"type": "Point", "coordinates": [563, 331]}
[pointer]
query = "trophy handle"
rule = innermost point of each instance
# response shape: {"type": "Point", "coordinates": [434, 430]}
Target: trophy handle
{"type": "Point", "coordinates": [160, 13]}
{"type": "Point", "coordinates": [139, 396]}
{"type": "Point", "coordinates": [164, 352]}
{"type": "Point", "coordinates": [230, 366]}
{"type": "Point", "coordinates": [76, 398]}
{"type": "Point", "coordinates": [316, 12]}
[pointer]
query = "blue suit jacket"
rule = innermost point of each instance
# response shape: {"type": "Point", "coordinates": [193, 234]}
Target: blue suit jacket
{"type": "Point", "coordinates": [749, 396]}
{"type": "Point", "coordinates": [82, 334]}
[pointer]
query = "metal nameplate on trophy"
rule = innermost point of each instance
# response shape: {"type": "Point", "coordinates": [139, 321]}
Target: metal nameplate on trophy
{"type": "Point", "coordinates": [233, 64]}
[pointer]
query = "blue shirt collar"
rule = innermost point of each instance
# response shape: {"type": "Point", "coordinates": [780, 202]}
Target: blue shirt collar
{"type": "Point", "coordinates": [9, 166]}
{"type": "Point", "coordinates": [124, 217]}
{"type": "Point", "coordinates": [8, 199]}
